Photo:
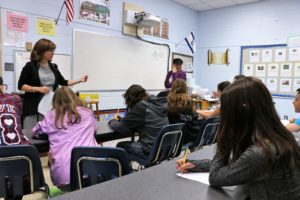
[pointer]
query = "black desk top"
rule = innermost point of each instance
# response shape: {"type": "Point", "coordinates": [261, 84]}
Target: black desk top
{"type": "Point", "coordinates": [158, 182]}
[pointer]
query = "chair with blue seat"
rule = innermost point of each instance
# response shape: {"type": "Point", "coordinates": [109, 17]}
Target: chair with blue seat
{"type": "Point", "coordinates": [207, 134]}
{"type": "Point", "coordinates": [20, 171]}
{"type": "Point", "coordinates": [166, 146]}
{"type": "Point", "coordinates": [92, 165]}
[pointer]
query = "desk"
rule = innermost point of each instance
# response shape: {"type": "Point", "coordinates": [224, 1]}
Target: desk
{"type": "Point", "coordinates": [105, 133]}
{"type": "Point", "coordinates": [154, 183]}
{"type": "Point", "coordinates": [203, 104]}
{"type": "Point", "coordinates": [41, 145]}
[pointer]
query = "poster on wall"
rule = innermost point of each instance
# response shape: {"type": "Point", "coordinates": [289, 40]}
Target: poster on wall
{"type": "Point", "coordinates": [273, 69]}
{"type": "Point", "coordinates": [272, 84]}
{"type": "Point", "coordinates": [248, 70]}
{"type": "Point", "coordinates": [16, 22]}
{"type": "Point", "coordinates": [286, 69]}
{"type": "Point", "coordinates": [95, 10]}
{"type": "Point", "coordinates": [280, 55]}
{"type": "Point", "coordinates": [254, 56]}
{"type": "Point", "coordinates": [14, 38]}
{"type": "Point", "coordinates": [266, 55]}
{"type": "Point", "coordinates": [285, 85]}
{"type": "Point", "coordinates": [45, 26]}
{"type": "Point", "coordinates": [297, 69]}
{"type": "Point", "coordinates": [296, 84]}
{"type": "Point", "coordinates": [294, 54]}
{"type": "Point", "coordinates": [260, 70]}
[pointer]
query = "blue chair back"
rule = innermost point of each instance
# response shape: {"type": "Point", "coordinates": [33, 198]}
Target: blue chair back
{"type": "Point", "coordinates": [207, 133]}
{"type": "Point", "coordinates": [20, 171]}
{"type": "Point", "coordinates": [92, 165]}
{"type": "Point", "coordinates": [166, 145]}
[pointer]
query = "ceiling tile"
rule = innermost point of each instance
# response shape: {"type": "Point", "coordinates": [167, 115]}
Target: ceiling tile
{"type": "Point", "coordinates": [220, 3]}
{"type": "Point", "coordinates": [245, 1]}
{"type": "Point", "coordinates": [188, 2]}
{"type": "Point", "coordinates": [200, 6]}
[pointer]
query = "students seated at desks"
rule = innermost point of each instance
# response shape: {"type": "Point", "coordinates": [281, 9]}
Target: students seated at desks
{"type": "Point", "coordinates": [10, 118]}
{"type": "Point", "coordinates": [181, 109]}
{"type": "Point", "coordinates": [294, 125]}
{"type": "Point", "coordinates": [216, 111]}
{"type": "Point", "coordinates": [145, 115]}
{"type": "Point", "coordinates": [69, 124]}
{"type": "Point", "coordinates": [254, 149]}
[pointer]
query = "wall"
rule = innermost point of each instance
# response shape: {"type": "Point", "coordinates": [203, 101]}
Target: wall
{"type": "Point", "coordinates": [266, 22]}
{"type": "Point", "coordinates": [182, 20]}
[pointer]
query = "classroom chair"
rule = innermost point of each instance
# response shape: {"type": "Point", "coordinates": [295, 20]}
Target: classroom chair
{"type": "Point", "coordinates": [20, 171]}
{"type": "Point", "coordinates": [94, 102]}
{"type": "Point", "coordinates": [93, 165]}
{"type": "Point", "coordinates": [207, 133]}
{"type": "Point", "coordinates": [166, 146]}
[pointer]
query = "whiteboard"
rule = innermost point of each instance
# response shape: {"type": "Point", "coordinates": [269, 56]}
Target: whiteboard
{"type": "Point", "coordinates": [115, 63]}
{"type": "Point", "coordinates": [63, 62]}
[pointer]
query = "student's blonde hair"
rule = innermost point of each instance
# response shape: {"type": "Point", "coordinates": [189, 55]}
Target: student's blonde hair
{"type": "Point", "coordinates": [178, 99]}
{"type": "Point", "coordinates": [64, 103]}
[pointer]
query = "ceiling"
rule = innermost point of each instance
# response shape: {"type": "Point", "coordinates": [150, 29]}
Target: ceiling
{"type": "Point", "coordinates": [202, 5]}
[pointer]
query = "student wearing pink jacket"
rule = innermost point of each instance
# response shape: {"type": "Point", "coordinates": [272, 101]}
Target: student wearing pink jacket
{"type": "Point", "coordinates": [69, 124]}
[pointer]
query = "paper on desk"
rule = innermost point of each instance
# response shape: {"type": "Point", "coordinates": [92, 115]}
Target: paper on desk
{"type": "Point", "coordinates": [285, 122]}
{"type": "Point", "coordinates": [201, 177]}
{"type": "Point", "coordinates": [45, 104]}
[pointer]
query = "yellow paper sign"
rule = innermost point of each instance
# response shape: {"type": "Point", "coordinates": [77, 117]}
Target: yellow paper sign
{"type": "Point", "coordinates": [45, 27]}
{"type": "Point", "coordinates": [89, 97]}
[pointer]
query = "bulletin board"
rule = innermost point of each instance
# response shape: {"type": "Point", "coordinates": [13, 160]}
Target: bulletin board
{"type": "Point", "coordinates": [278, 66]}
{"type": "Point", "coordinates": [63, 62]}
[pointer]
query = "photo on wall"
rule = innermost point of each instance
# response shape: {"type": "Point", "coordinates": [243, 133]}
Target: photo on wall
{"type": "Point", "coordinates": [95, 10]}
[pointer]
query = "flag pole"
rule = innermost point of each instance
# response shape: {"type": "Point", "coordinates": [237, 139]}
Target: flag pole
{"type": "Point", "coordinates": [176, 45]}
{"type": "Point", "coordinates": [56, 21]}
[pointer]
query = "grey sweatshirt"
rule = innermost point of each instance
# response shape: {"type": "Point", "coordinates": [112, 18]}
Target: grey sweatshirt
{"type": "Point", "coordinates": [251, 169]}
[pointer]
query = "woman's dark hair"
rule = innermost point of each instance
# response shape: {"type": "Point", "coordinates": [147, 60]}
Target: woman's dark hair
{"type": "Point", "coordinates": [248, 117]}
{"type": "Point", "coordinates": [40, 48]}
{"type": "Point", "coordinates": [178, 99]}
{"type": "Point", "coordinates": [134, 94]}
{"type": "Point", "coordinates": [177, 61]}
{"type": "Point", "coordinates": [221, 86]}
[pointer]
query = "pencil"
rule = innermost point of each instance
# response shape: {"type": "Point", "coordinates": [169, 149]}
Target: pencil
{"type": "Point", "coordinates": [185, 155]}
{"type": "Point", "coordinates": [117, 114]}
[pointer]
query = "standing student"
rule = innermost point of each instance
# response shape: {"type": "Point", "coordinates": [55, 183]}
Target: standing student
{"type": "Point", "coordinates": [294, 125]}
{"type": "Point", "coordinates": [176, 73]}
{"type": "Point", "coordinates": [181, 109]}
{"type": "Point", "coordinates": [38, 77]}
{"type": "Point", "coordinates": [146, 115]}
{"type": "Point", "coordinates": [253, 147]}
{"type": "Point", "coordinates": [68, 125]}
{"type": "Point", "coordinates": [10, 118]}
{"type": "Point", "coordinates": [217, 110]}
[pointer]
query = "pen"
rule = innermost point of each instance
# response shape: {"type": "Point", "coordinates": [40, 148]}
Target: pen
{"type": "Point", "coordinates": [185, 155]}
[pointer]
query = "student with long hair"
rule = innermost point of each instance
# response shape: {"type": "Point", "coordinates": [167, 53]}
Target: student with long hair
{"type": "Point", "coordinates": [146, 115]}
{"type": "Point", "coordinates": [38, 77]}
{"type": "Point", "coordinates": [253, 146]}
{"type": "Point", "coordinates": [181, 109]}
{"type": "Point", "coordinates": [70, 123]}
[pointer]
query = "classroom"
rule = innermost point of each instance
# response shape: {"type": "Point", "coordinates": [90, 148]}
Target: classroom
{"type": "Point", "coordinates": [104, 48]}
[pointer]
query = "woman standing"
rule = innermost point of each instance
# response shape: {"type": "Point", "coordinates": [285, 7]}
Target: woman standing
{"type": "Point", "coordinates": [38, 77]}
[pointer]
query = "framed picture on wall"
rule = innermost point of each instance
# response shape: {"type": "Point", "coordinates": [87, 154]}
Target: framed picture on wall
{"type": "Point", "coordinates": [187, 65]}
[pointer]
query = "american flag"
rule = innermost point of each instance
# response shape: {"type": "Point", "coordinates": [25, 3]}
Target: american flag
{"type": "Point", "coordinates": [70, 10]}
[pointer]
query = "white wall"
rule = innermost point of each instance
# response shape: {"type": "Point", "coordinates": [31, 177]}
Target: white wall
{"type": "Point", "coordinates": [182, 20]}
{"type": "Point", "coordinates": [266, 22]}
